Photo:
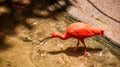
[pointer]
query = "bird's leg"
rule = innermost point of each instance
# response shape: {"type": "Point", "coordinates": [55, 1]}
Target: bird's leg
{"type": "Point", "coordinates": [77, 45]}
{"type": "Point", "coordinates": [76, 48]}
{"type": "Point", "coordinates": [85, 48]}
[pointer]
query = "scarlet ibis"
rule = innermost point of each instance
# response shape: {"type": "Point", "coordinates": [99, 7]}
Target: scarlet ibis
{"type": "Point", "coordinates": [79, 31]}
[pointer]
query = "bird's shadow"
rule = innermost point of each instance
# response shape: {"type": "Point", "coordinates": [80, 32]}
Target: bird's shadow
{"type": "Point", "coordinates": [69, 51]}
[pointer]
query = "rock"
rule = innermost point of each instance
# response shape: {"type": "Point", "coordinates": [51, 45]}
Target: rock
{"type": "Point", "coordinates": [27, 39]}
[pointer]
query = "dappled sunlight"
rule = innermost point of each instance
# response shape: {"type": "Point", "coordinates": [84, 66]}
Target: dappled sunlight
{"type": "Point", "coordinates": [15, 13]}
{"type": "Point", "coordinates": [4, 10]}
{"type": "Point", "coordinates": [41, 13]}
{"type": "Point", "coordinates": [22, 1]}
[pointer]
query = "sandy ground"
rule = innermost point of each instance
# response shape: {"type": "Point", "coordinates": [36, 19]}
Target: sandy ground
{"type": "Point", "coordinates": [23, 52]}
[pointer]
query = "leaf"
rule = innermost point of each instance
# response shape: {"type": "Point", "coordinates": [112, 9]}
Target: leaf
{"type": "Point", "coordinates": [100, 20]}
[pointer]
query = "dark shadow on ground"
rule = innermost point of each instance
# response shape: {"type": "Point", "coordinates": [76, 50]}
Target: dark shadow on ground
{"type": "Point", "coordinates": [3, 46]}
{"type": "Point", "coordinates": [19, 12]}
{"type": "Point", "coordinates": [69, 51]}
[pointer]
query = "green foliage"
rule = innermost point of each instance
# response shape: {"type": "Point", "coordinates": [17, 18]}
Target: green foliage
{"type": "Point", "coordinates": [100, 20]}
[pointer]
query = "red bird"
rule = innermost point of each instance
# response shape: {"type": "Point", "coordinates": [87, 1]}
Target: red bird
{"type": "Point", "coordinates": [80, 31]}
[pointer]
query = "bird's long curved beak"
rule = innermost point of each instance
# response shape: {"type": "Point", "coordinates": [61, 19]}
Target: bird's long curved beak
{"type": "Point", "coordinates": [42, 42]}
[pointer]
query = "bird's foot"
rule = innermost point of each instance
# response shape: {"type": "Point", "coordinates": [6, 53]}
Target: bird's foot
{"type": "Point", "coordinates": [86, 54]}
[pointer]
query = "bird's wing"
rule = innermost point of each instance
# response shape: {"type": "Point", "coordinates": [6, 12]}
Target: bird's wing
{"type": "Point", "coordinates": [81, 32]}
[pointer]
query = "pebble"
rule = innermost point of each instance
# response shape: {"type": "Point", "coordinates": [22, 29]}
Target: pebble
{"type": "Point", "coordinates": [43, 54]}
{"type": "Point", "coordinates": [27, 39]}
{"type": "Point", "coordinates": [33, 24]}
{"type": "Point", "coordinates": [60, 45]}
{"type": "Point", "coordinates": [101, 53]}
{"type": "Point", "coordinates": [88, 54]}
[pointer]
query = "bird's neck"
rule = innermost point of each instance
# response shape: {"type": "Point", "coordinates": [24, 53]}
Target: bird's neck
{"type": "Point", "coordinates": [61, 36]}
